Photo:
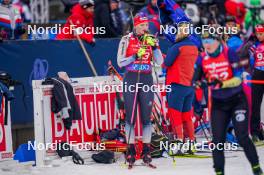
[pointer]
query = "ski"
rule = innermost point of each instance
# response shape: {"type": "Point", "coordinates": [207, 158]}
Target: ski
{"type": "Point", "coordinates": [259, 144]}
{"type": "Point", "coordinates": [197, 156]}
{"type": "Point", "coordinates": [111, 70]}
{"type": "Point", "coordinates": [150, 165]}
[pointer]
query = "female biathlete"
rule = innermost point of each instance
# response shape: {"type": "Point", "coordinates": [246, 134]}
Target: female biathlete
{"type": "Point", "coordinates": [135, 53]}
{"type": "Point", "coordinates": [228, 100]}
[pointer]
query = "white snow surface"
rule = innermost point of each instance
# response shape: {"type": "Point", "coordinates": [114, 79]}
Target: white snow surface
{"type": "Point", "coordinates": [236, 164]}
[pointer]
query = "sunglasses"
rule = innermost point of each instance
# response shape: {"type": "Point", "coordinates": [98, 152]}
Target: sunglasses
{"type": "Point", "coordinates": [86, 6]}
{"type": "Point", "coordinates": [208, 41]}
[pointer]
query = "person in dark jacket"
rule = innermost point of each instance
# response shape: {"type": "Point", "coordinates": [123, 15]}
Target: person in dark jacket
{"type": "Point", "coordinates": [104, 11]}
{"type": "Point", "coordinates": [136, 4]}
{"type": "Point", "coordinates": [7, 96]}
{"type": "Point", "coordinates": [63, 102]}
{"type": "Point", "coordinates": [116, 16]}
{"type": "Point", "coordinates": [152, 12]}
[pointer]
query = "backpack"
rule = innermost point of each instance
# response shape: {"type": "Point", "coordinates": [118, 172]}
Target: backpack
{"type": "Point", "coordinates": [105, 156]}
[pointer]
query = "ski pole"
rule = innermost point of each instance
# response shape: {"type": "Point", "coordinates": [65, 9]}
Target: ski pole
{"type": "Point", "coordinates": [209, 105]}
{"type": "Point", "coordinates": [163, 133]}
{"type": "Point", "coordinates": [88, 58]}
{"type": "Point", "coordinates": [209, 132]}
{"type": "Point", "coordinates": [155, 111]}
{"type": "Point", "coordinates": [162, 116]}
{"type": "Point", "coordinates": [119, 102]}
{"type": "Point", "coordinates": [203, 124]}
{"type": "Point", "coordinates": [157, 95]}
{"type": "Point", "coordinates": [202, 127]}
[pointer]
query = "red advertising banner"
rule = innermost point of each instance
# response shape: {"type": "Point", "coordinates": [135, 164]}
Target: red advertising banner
{"type": "Point", "coordinates": [99, 112]}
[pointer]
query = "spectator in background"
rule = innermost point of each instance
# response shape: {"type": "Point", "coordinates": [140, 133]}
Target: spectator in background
{"type": "Point", "coordinates": [23, 9]}
{"type": "Point", "coordinates": [233, 41]}
{"type": "Point", "coordinates": [136, 4]}
{"type": "Point", "coordinates": [116, 16]}
{"type": "Point", "coordinates": [221, 6]}
{"type": "Point", "coordinates": [107, 15]}
{"type": "Point", "coordinates": [151, 10]}
{"type": "Point", "coordinates": [68, 4]}
{"type": "Point", "coordinates": [10, 21]}
{"type": "Point", "coordinates": [81, 17]}
{"type": "Point", "coordinates": [236, 9]}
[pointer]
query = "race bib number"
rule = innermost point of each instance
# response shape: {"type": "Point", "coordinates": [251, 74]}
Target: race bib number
{"type": "Point", "coordinates": [259, 56]}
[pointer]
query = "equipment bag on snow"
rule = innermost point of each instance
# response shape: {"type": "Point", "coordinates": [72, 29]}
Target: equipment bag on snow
{"type": "Point", "coordinates": [156, 141]}
{"type": "Point", "coordinates": [105, 156]}
{"type": "Point", "coordinates": [64, 149]}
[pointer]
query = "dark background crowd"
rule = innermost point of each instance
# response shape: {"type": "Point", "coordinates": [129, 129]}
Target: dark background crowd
{"type": "Point", "coordinates": [115, 15]}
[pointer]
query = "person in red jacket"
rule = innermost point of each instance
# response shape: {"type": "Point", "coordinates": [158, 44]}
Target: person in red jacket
{"type": "Point", "coordinates": [180, 61]}
{"type": "Point", "coordinates": [80, 22]}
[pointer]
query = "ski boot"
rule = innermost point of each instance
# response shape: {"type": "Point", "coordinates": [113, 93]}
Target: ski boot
{"type": "Point", "coordinates": [257, 170]}
{"type": "Point", "coordinates": [191, 147]}
{"type": "Point", "coordinates": [130, 157]}
{"type": "Point", "coordinates": [146, 156]}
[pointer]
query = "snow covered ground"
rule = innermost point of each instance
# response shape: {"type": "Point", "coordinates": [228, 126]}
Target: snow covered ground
{"type": "Point", "coordinates": [236, 164]}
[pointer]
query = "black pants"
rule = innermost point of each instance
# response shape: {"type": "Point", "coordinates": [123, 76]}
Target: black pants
{"type": "Point", "coordinates": [144, 99]}
{"type": "Point", "coordinates": [257, 96]}
{"type": "Point", "coordinates": [223, 111]}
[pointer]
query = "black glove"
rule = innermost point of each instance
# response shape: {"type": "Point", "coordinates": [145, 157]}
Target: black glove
{"type": "Point", "coordinates": [204, 83]}
{"type": "Point", "coordinates": [76, 158]}
{"type": "Point", "coordinates": [67, 123]}
{"type": "Point", "coordinates": [216, 83]}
